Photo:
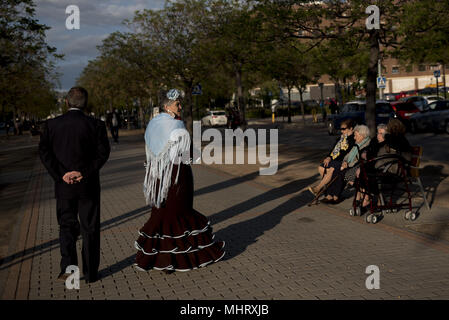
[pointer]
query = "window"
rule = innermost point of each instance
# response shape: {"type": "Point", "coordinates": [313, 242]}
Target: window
{"type": "Point", "coordinates": [351, 107]}
{"type": "Point", "coordinates": [434, 67]}
{"type": "Point", "coordinates": [432, 106]}
{"type": "Point", "coordinates": [395, 70]}
{"type": "Point", "coordinates": [422, 67]}
{"type": "Point", "coordinates": [383, 108]}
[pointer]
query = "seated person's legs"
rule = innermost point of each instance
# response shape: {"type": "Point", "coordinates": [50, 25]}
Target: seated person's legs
{"type": "Point", "coordinates": [336, 187]}
{"type": "Point", "coordinates": [321, 171]}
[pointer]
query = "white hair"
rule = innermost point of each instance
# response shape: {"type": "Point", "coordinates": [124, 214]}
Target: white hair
{"type": "Point", "coordinates": [362, 130]}
{"type": "Point", "coordinates": [382, 126]}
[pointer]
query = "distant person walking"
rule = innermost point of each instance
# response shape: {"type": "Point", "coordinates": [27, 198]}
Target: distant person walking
{"type": "Point", "coordinates": [114, 124]}
{"type": "Point", "coordinates": [333, 106]}
{"type": "Point", "coordinates": [73, 148]}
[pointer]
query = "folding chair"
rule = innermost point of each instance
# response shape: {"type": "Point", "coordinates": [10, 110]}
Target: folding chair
{"type": "Point", "coordinates": [414, 171]}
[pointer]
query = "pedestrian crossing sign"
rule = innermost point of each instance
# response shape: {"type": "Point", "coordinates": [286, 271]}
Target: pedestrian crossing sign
{"type": "Point", "coordinates": [197, 90]}
{"type": "Point", "coordinates": [381, 82]}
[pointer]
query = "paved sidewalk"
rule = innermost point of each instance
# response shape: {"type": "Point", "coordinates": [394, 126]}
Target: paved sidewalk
{"type": "Point", "coordinates": [277, 247]}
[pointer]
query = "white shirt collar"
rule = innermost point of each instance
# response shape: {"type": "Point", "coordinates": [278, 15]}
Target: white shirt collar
{"type": "Point", "coordinates": [74, 109]}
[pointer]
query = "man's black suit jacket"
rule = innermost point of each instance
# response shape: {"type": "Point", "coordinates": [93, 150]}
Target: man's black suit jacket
{"type": "Point", "coordinates": [74, 142]}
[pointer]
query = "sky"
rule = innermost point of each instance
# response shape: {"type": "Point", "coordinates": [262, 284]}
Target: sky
{"type": "Point", "coordinates": [98, 19]}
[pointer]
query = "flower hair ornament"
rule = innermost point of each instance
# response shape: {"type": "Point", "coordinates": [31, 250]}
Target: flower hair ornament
{"type": "Point", "coordinates": [174, 94]}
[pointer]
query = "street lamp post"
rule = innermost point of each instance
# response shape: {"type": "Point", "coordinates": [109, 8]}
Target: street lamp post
{"type": "Point", "coordinates": [444, 81]}
{"type": "Point", "coordinates": [381, 90]}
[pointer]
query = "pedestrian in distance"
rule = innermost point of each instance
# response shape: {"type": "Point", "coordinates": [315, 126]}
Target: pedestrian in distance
{"type": "Point", "coordinates": [73, 148]}
{"type": "Point", "coordinates": [114, 124]}
{"type": "Point", "coordinates": [333, 106]}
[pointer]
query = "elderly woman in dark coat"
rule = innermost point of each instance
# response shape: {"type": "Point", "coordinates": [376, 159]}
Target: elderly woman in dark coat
{"type": "Point", "coordinates": [349, 166]}
{"type": "Point", "coordinates": [390, 140]}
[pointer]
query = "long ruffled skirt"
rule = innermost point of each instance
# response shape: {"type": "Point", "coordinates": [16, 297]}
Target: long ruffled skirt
{"type": "Point", "coordinates": [177, 237]}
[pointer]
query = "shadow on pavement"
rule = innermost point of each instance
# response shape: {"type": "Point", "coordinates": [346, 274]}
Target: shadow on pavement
{"type": "Point", "coordinates": [240, 235]}
{"type": "Point", "coordinates": [265, 197]}
{"type": "Point", "coordinates": [237, 180]}
{"type": "Point", "coordinates": [47, 246]}
{"type": "Point", "coordinates": [245, 233]}
{"type": "Point", "coordinates": [117, 267]}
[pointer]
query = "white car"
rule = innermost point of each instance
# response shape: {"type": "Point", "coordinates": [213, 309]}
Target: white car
{"type": "Point", "coordinates": [215, 118]}
{"type": "Point", "coordinates": [431, 99]}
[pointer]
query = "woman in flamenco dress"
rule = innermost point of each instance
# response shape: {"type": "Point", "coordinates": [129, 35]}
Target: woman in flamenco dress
{"type": "Point", "coordinates": [176, 237]}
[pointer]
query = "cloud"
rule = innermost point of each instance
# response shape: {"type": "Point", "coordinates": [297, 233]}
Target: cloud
{"type": "Point", "coordinates": [70, 72]}
{"type": "Point", "coordinates": [83, 46]}
{"type": "Point", "coordinates": [97, 20]}
{"type": "Point", "coordinates": [100, 13]}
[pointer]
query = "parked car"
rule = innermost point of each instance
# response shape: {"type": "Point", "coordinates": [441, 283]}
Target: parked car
{"type": "Point", "coordinates": [434, 118]}
{"type": "Point", "coordinates": [404, 110]}
{"type": "Point", "coordinates": [408, 93]}
{"type": "Point", "coordinates": [215, 118]}
{"type": "Point", "coordinates": [433, 98]}
{"type": "Point", "coordinates": [419, 101]}
{"type": "Point", "coordinates": [356, 110]}
{"type": "Point", "coordinates": [427, 91]}
{"type": "Point", "coordinates": [390, 96]}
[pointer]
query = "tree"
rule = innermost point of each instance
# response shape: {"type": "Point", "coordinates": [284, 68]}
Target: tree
{"type": "Point", "coordinates": [236, 41]}
{"type": "Point", "coordinates": [172, 35]}
{"type": "Point", "coordinates": [428, 23]}
{"type": "Point", "coordinates": [316, 23]}
{"type": "Point", "coordinates": [26, 61]}
{"type": "Point", "coordinates": [292, 66]}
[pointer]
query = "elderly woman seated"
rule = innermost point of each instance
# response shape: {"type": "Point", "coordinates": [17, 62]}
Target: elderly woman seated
{"type": "Point", "coordinates": [390, 140]}
{"type": "Point", "coordinates": [348, 170]}
{"type": "Point", "coordinates": [334, 160]}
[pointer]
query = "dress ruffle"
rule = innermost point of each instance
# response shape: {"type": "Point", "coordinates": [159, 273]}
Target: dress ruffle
{"type": "Point", "coordinates": [177, 237]}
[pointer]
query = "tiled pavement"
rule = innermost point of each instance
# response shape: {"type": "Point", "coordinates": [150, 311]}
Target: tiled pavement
{"type": "Point", "coordinates": [277, 247]}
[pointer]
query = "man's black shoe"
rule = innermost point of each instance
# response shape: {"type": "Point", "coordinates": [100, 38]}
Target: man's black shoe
{"type": "Point", "coordinates": [63, 276]}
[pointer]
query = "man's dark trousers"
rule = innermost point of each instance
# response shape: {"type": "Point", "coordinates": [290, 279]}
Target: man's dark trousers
{"type": "Point", "coordinates": [88, 212]}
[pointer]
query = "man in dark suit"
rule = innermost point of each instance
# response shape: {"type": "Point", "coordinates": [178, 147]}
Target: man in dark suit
{"type": "Point", "coordinates": [73, 147]}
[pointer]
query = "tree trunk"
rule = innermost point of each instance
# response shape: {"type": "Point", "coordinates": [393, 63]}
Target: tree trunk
{"type": "Point", "coordinates": [338, 92]}
{"type": "Point", "coordinates": [289, 105]}
{"type": "Point", "coordinates": [240, 99]}
{"type": "Point", "coordinates": [302, 105]}
{"type": "Point", "coordinates": [14, 117]}
{"type": "Point", "coordinates": [370, 113]}
{"type": "Point", "coordinates": [141, 117]}
{"type": "Point", "coordinates": [188, 109]}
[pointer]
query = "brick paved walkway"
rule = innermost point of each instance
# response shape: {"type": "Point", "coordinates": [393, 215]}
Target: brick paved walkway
{"type": "Point", "coordinates": [277, 247]}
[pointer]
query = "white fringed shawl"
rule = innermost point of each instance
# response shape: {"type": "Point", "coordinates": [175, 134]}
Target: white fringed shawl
{"type": "Point", "coordinates": [167, 142]}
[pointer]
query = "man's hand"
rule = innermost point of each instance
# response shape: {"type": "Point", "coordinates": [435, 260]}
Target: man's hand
{"type": "Point", "coordinates": [326, 161]}
{"type": "Point", "coordinates": [344, 165]}
{"type": "Point", "coordinates": [72, 177]}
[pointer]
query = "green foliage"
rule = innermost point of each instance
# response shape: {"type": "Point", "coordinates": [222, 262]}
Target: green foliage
{"type": "Point", "coordinates": [232, 47]}
{"type": "Point", "coordinates": [26, 61]}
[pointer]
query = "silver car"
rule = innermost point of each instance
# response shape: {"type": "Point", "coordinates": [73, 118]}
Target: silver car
{"type": "Point", "coordinates": [434, 117]}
